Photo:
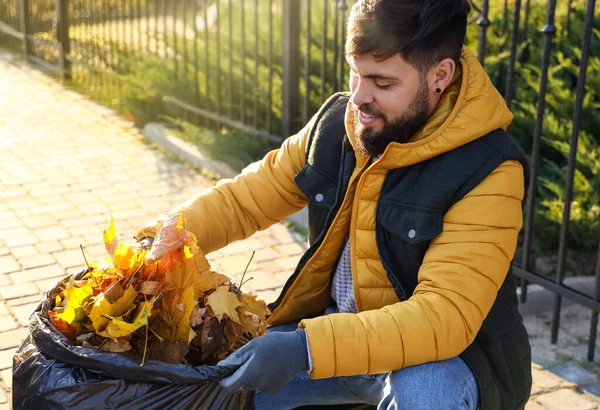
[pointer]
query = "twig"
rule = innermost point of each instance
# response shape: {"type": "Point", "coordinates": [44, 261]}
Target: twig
{"type": "Point", "coordinates": [146, 341]}
{"type": "Point", "coordinates": [84, 258]}
{"type": "Point", "coordinates": [246, 281]}
{"type": "Point", "coordinates": [246, 270]}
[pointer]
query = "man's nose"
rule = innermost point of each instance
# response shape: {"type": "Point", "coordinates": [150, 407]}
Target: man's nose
{"type": "Point", "coordinates": [360, 95]}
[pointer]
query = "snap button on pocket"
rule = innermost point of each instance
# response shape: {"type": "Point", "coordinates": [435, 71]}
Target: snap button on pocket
{"type": "Point", "coordinates": [412, 233]}
{"type": "Point", "coordinates": [319, 197]}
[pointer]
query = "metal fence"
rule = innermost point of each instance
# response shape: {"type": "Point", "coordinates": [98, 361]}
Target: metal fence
{"type": "Point", "coordinates": [265, 66]}
{"type": "Point", "coordinates": [262, 66]}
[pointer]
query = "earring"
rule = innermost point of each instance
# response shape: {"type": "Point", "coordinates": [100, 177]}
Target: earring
{"type": "Point", "coordinates": [438, 90]}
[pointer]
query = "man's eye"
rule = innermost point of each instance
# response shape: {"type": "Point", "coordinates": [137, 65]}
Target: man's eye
{"type": "Point", "coordinates": [383, 87]}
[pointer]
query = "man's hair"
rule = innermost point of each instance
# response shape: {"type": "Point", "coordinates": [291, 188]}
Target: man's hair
{"type": "Point", "coordinates": [423, 32]}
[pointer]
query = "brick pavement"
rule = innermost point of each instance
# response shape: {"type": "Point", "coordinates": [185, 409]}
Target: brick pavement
{"type": "Point", "coordinates": [67, 163]}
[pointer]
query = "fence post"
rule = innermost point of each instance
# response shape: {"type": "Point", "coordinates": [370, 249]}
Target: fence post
{"type": "Point", "coordinates": [62, 35]}
{"type": "Point", "coordinates": [549, 29]}
{"type": "Point", "coordinates": [513, 54]}
{"type": "Point", "coordinates": [290, 112]}
{"type": "Point", "coordinates": [483, 24]}
{"type": "Point", "coordinates": [25, 28]}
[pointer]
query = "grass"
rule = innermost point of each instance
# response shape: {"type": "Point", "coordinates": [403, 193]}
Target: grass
{"type": "Point", "coordinates": [236, 148]}
{"type": "Point", "coordinates": [294, 227]}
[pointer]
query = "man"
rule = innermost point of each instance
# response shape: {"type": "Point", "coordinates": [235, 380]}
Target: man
{"type": "Point", "coordinates": [405, 298]}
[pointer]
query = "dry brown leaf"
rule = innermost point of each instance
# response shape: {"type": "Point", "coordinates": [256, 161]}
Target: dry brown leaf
{"type": "Point", "coordinates": [252, 324]}
{"type": "Point", "coordinates": [212, 339]}
{"type": "Point", "coordinates": [233, 331]}
{"type": "Point", "coordinates": [197, 316]}
{"type": "Point", "coordinates": [150, 287]}
{"type": "Point", "coordinates": [114, 291]}
{"type": "Point", "coordinates": [169, 352]}
{"type": "Point", "coordinates": [119, 345]}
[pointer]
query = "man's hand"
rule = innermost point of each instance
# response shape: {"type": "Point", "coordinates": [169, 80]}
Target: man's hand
{"type": "Point", "coordinates": [267, 363]}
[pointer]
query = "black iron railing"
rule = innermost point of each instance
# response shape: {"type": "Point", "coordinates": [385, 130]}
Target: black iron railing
{"type": "Point", "coordinates": [265, 66]}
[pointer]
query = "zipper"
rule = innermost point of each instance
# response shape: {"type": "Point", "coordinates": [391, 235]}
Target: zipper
{"type": "Point", "coordinates": [352, 239]}
{"type": "Point", "coordinates": [479, 388]}
{"type": "Point", "coordinates": [313, 249]}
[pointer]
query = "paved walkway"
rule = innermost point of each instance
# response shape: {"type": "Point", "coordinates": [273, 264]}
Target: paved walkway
{"type": "Point", "coordinates": [66, 164]}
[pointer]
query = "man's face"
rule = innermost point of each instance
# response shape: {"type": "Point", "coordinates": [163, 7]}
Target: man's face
{"type": "Point", "coordinates": [391, 101]}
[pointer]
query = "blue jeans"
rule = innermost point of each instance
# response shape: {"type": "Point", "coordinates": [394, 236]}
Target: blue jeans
{"type": "Point", "coordinates": [444, 385]}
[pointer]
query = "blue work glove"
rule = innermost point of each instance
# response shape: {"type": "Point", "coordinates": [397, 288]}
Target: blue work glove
{"type": "Point", "coordinates": [146, 242]}
{"type": "Point", "coordinates": [267, 363]}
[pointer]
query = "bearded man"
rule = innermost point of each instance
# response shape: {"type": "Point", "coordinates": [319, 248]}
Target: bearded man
{"type": "Point", "coordinates": [405, 298]}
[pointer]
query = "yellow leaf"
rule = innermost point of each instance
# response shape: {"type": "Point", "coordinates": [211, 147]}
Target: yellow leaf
{"type": "Point", "coordinates": [200, 260]}
{"type": "Point", "coordinates": [76, 296]}
{"type": "Point", "coordinates": [117, 327]}
{"type": "Point", "coordinates": [208, 280]}
{"type": "Point", "coordinates": [183, 327]}
{"type": "Point", "coordinates": [258, 307]}
{"type": "Point", "coordinates": [100, 313]}
{"type": "Point", "coordinates": [176, 308]}
{"type": "Point", "coordinates": [110, 237]}
{"type": "Point", "coordinates": [222, 302]}
{"type": "Point", "coordinates": [103, 310]}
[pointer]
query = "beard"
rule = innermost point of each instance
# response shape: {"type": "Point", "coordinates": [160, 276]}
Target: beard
{"type": "Point", "coordinates": [400, 129]}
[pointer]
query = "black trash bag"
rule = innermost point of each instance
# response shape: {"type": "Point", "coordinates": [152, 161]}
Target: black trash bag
{"type": "Point", "coordinates": [51, 373]}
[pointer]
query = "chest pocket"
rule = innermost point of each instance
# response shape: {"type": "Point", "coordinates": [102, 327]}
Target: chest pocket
{"type": "Point", "coordinates": [321, 191]}
{"type": "Point", "coordinates": [404, 233]}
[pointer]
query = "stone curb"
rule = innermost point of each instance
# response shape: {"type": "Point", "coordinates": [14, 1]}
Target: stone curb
{"type": "Point", "coordinates": [159, 134]}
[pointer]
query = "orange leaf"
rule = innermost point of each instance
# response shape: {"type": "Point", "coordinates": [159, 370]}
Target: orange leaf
{"type": "Point", "coordinates": [253, 324]}
{"type": "Point", "coordinates": [68, 331]}
{"type": "Point", "coordinates": [252, 305]}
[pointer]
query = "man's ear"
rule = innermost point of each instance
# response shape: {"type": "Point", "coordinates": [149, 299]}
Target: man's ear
{"type": "Point", "coordinates": [440, 76]}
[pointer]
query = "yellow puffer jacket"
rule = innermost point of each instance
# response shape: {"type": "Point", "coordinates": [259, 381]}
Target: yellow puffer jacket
{"type": "Point", "coordinates": [462, 270]}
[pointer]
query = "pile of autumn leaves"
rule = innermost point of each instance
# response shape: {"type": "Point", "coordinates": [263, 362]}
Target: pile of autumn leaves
{"type": "Point", "coordinates": [162, 303]}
